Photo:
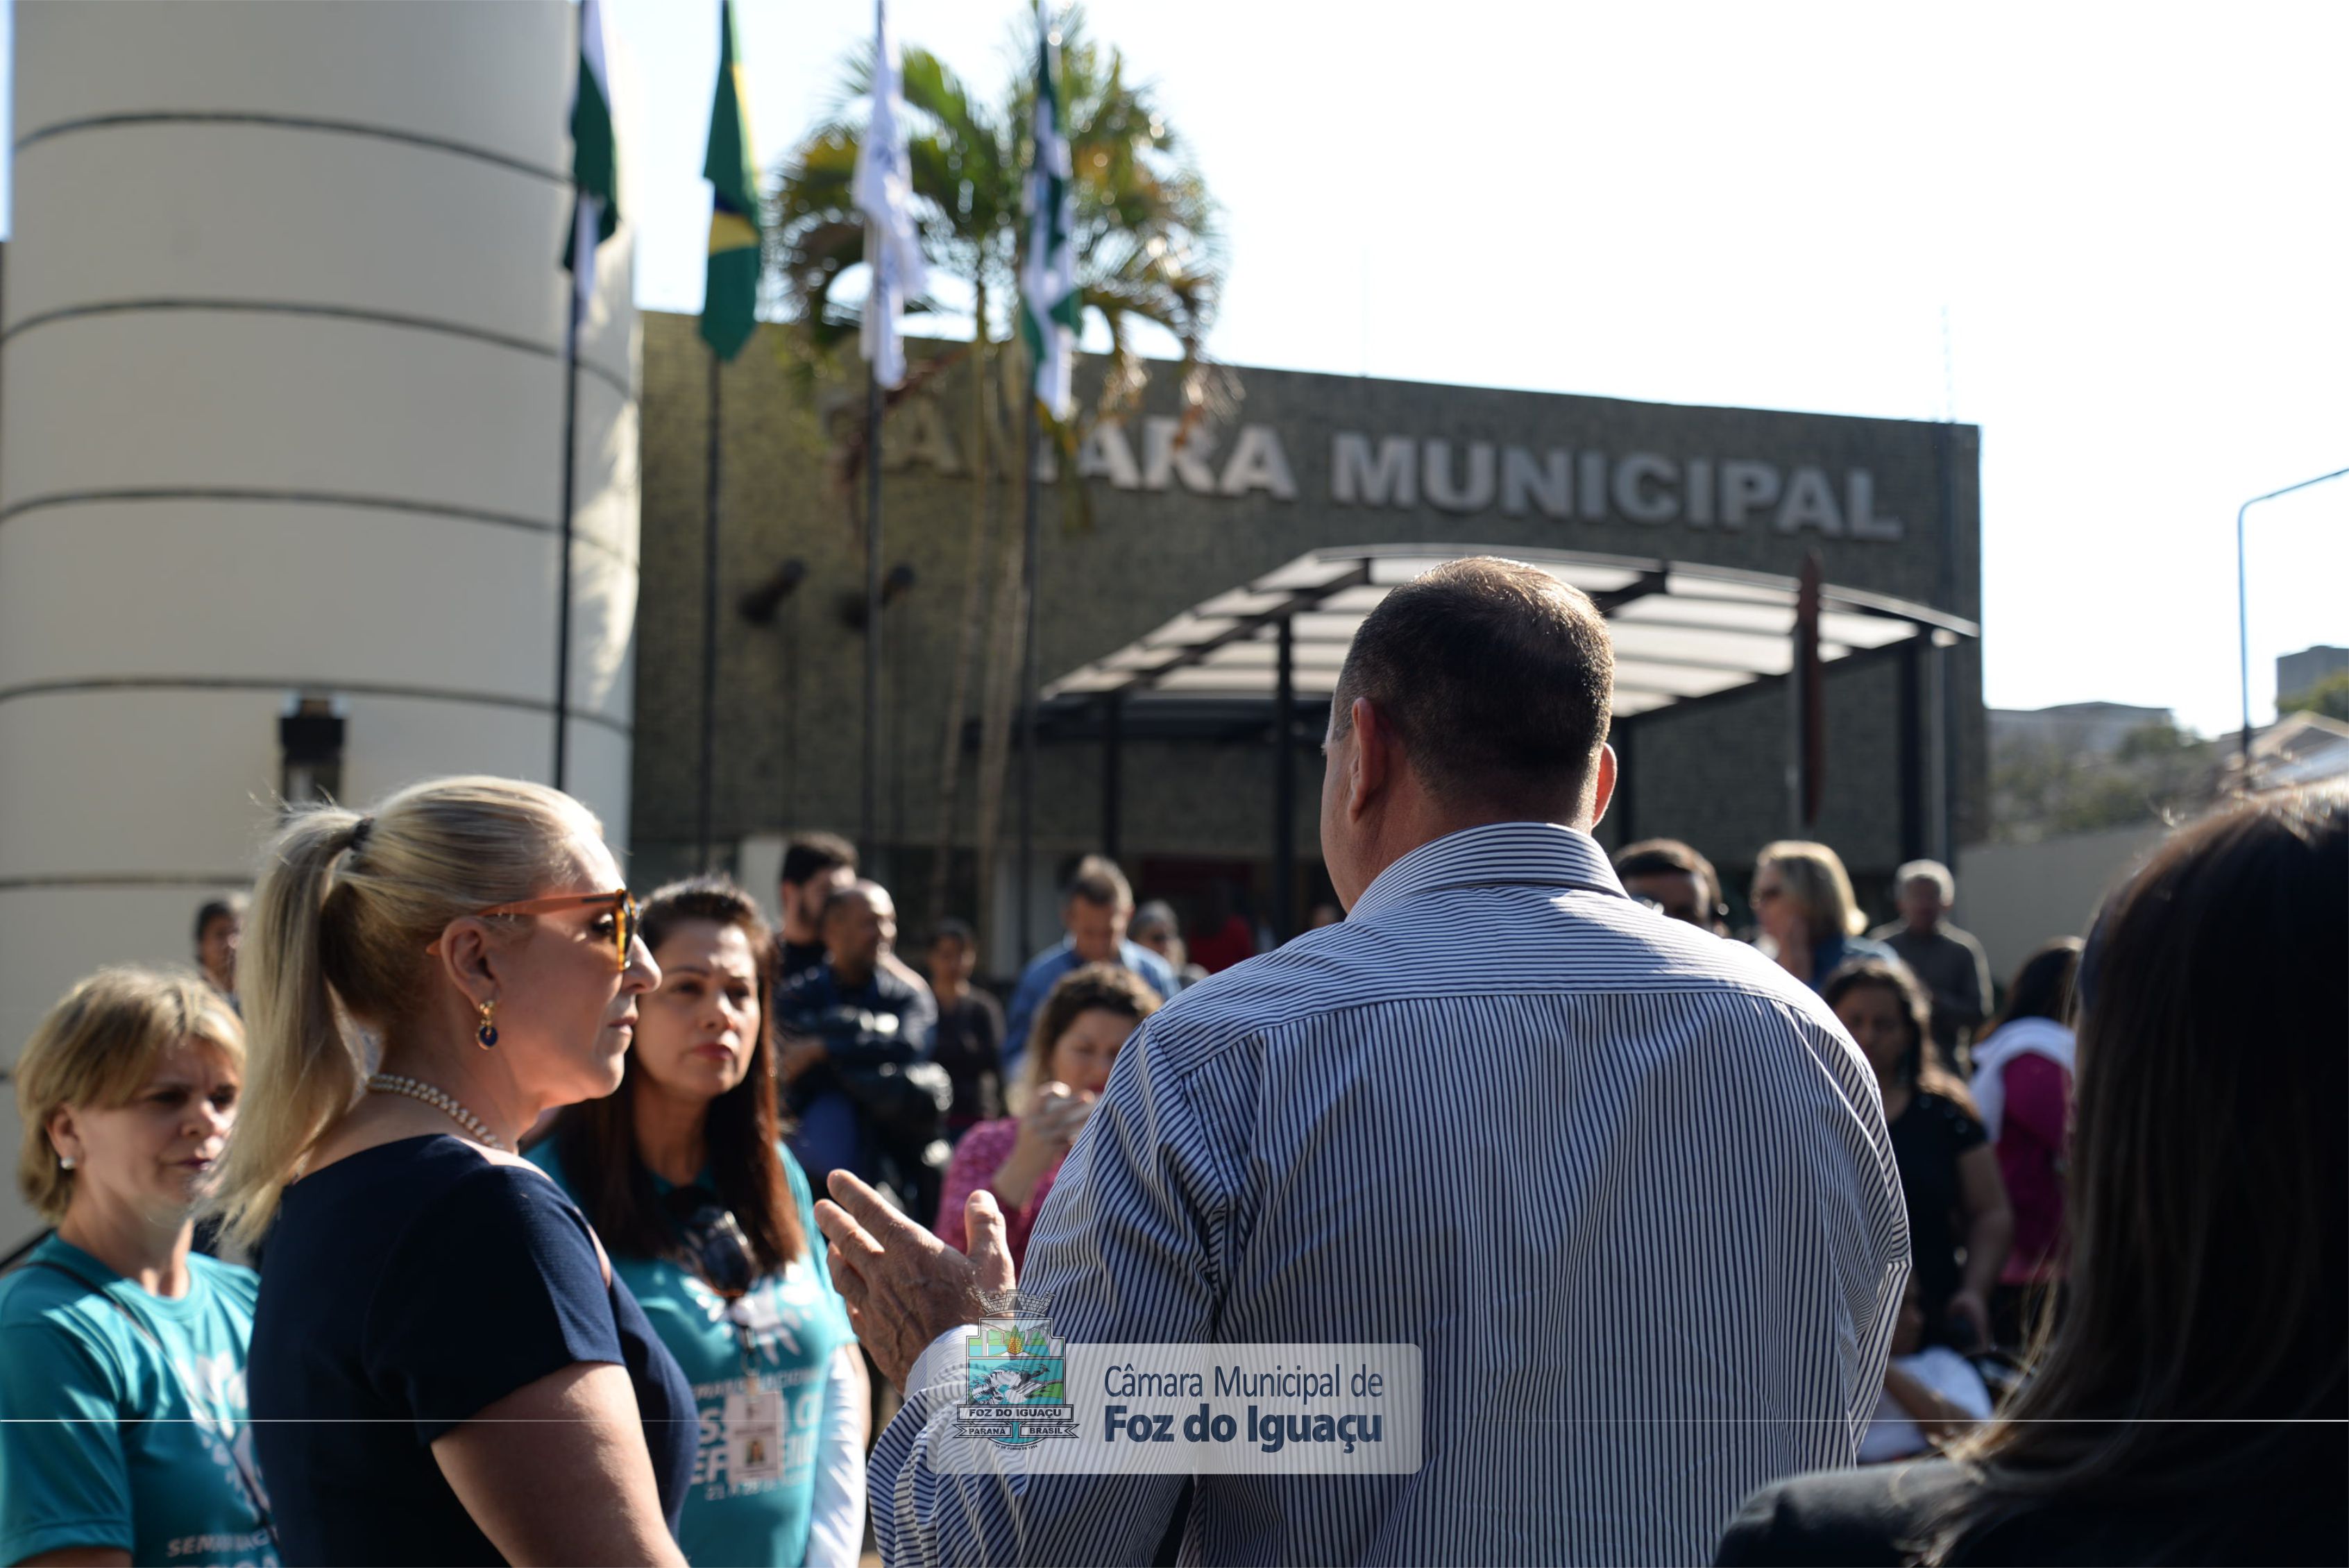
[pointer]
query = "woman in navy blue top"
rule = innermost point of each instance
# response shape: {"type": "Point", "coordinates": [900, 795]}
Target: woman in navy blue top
{"type": "Point", "coordinates": [408, 1288]}
{"type": "Point", "coordinates": [443, 1368]}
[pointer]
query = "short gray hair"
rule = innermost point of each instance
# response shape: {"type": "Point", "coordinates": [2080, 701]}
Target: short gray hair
{"type": "Point", "coordinates": [1933, 872]}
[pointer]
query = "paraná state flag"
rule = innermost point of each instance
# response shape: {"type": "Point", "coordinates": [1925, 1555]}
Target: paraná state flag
{"type": "Point", "coordinates": [1050, 307]}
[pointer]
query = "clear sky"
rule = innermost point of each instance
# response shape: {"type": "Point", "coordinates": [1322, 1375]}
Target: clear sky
{"type": "Point", "coordinates": [2133, 217]}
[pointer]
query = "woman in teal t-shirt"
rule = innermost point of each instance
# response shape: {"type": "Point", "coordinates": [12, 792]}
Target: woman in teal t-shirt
{"type": "Point", "coordinates": [710, 1221]}
{"type": "Point", "coordinates": [123, 1431]}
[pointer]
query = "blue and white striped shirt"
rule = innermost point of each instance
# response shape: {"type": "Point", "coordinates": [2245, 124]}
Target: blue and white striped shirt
{"type": "Point", "coordinates": [1626, 1184]}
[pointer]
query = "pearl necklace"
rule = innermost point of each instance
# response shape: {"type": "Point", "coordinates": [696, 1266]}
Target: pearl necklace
{"type": "Point", "coordinates": [439, 1100]}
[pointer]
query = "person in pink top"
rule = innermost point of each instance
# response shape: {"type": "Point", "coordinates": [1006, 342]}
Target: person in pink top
{"type": "Point", "coordinates": [2023, 1087]}
{"type": "Point", "coordinates": [1084, 1022]}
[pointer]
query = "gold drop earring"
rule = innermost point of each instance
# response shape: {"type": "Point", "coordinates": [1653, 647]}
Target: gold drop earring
{"type": "Point", "coordinates": [488, 1033]}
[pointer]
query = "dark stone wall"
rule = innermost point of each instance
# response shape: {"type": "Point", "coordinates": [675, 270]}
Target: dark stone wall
{"type": "Point", "coordinates": [789, 693]}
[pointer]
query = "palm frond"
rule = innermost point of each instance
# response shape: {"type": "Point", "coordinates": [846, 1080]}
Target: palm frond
{"type": "Point", "coordinates": [1149, 234]}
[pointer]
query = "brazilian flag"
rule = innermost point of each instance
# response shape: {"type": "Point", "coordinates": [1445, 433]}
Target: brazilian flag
{"type": "Point", "coordinates": [728, 306]}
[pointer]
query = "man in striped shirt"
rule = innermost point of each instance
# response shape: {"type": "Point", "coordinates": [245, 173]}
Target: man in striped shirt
{"type": "Point", "coordinates": [1626, 1184]}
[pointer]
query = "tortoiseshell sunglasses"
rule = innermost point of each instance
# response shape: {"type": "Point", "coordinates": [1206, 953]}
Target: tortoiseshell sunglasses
{"type": "Point", "coordinates": [619, 901]}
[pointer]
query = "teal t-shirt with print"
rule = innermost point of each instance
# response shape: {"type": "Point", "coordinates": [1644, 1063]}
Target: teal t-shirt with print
{"type": "Point", "coordinates": [794, 1321]}
{"type": "Point", "coordinates": [100, 1445]}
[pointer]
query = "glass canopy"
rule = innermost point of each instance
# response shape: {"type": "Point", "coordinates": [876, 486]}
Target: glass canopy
{"type": "Point", "coordinates": [1680, 631]}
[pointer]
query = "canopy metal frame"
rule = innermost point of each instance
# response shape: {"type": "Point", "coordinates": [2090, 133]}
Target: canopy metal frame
{"type": "Point", "coordinates": [1684, 632]}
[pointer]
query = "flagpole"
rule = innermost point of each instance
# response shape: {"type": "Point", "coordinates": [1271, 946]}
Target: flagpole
{"type": "Point", "coordinates": [730, 317]}
{"type": "Point", "coordinates": [1051, 341]}
{"type": "Point", "coordinates": [570, 482]}
{"type": "Point", "coordinates": [709, 630]}
{"type": "Point", "coordinates": [869, 818]}
{"type": "Point", "coordinates": [1027, 680]}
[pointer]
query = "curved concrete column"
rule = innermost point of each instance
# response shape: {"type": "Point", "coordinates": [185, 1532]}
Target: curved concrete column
{"type": "Point", "coordinates": [281, 404]}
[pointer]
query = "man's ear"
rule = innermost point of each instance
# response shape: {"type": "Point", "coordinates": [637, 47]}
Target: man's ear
{"type": "Point", "coordinates": [1374, 757]}
{"type": "Point", "coordinates": [1603, 779]}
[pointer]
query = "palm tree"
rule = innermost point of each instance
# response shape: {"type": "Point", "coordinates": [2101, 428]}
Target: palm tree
{"type": "Point", "coordinates": [1149, 249]}
{"type": "Point", "coordinates": [1149, 236]}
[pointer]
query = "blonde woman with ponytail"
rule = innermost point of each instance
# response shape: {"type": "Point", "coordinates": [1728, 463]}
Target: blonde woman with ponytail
{"type": "Point", "coordinates": [443, 1368]}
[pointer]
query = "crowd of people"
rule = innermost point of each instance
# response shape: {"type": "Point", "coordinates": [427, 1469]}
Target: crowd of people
{"type": "Point", "coordinates": [1977, 1111]}
{"type": "Point", "coordinates": [570, 1227]}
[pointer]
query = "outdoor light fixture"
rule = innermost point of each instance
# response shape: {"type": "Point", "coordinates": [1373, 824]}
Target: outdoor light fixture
{"type": "Point", "coordinates": [853, 609]}
{"type": "Point", "coordinates": [759, 605]}
{"type": "Point", "coordinates": [310, 741]}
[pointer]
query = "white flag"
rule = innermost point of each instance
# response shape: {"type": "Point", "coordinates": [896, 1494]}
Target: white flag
{"type": "Point", "coordinates": [1050, 309]}
{"type": "Point", "coordinates": [884, 194]}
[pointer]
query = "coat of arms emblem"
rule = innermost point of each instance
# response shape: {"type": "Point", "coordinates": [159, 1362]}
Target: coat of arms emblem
{"type": "Point", "coordinates": [1015, 1375]}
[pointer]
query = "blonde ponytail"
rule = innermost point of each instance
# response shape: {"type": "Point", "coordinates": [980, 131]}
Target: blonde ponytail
{"type": "Point", "coordinates": [300, 1071]}
{"type": "Point", "coordinates": [345, 906]}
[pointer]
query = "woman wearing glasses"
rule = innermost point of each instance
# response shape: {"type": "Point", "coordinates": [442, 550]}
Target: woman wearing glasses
{"type": "Point", "coordinates": [711, 1224]}
{"type": "Point", "coordinates": [444, 1368]}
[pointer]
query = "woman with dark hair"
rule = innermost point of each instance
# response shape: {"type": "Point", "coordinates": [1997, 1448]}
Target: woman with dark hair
{"type": "Point", "coordinates": [2190, 1406]}
{"type": "Point", "coordinates": [1085, 1020]}
{"type": "Point", "coordinates": [1959, 1221]}
{"type": "Point", "coordinates": [2023, 1087]}
{"type": "Point", "coordinates": [710, 1221]}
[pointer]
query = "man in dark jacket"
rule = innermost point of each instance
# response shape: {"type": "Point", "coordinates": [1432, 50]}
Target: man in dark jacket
{"type": "Point", "coordinates": [969, 1043]}
{"type": "Point", "coordinates": [856, 1040]}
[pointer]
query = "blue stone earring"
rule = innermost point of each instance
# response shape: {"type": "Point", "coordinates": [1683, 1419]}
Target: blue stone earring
{"type": "Point", "coordinates": [488, 1033]}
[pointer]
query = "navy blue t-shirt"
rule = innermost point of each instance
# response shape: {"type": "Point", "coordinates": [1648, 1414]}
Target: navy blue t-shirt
{"type": "Point", "coordinates": [405, 1289]}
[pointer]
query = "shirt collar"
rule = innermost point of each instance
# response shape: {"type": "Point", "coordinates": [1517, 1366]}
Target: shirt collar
{"type": "Point", "coordinates": [1500, 854]}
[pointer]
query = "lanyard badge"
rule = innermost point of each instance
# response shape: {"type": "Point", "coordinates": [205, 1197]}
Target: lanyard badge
{"type": "Point", "coordinates": [712, 1247]}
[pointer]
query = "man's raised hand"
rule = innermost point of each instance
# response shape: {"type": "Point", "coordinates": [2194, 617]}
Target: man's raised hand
{"type": "Point", "coordinates": [904, 1286]}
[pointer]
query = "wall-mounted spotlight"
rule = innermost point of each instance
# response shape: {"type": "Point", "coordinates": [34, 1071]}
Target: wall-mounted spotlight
{"type": "Point", "coordinates": [759, 605]}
